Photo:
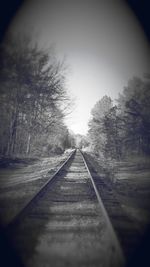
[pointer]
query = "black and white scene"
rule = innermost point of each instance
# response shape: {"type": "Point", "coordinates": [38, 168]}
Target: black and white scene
{"type": "Point", "coordinates": [75, 134]}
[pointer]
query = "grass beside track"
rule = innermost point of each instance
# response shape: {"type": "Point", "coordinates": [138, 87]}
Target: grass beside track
{"type": "Point", "coordinates": [128, 182]}
{"type": "Point", "coordinates": [20, 179]}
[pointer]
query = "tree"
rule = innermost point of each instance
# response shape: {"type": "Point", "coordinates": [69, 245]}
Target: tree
{"type": "Point", "coordinates": [113, 127]}
{"type": "Point", "coordinates": [32, 83]}
{"type": "Point", "coordinates": [96, 125]}
{"type": "Point", "coordinates": [135, 109]}
{"type": "Point", "coordinates": [116, 131]}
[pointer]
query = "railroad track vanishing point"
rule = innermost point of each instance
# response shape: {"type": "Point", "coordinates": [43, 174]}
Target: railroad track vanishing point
{"type": "Point", "coordinates": [65, 223]}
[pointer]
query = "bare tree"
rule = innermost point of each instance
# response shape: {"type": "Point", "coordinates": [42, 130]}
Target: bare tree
{"type": "Point", "coordinates": [33, 94]}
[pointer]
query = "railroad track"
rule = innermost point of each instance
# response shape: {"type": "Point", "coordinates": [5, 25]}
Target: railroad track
{"type": "Point", "coordinates": [65, 223]}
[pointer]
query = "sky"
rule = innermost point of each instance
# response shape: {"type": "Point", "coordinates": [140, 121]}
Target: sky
{"type": "Point", "coordinates": [102, 40]}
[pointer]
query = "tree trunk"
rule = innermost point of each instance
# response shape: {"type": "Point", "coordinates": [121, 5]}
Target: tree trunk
{"type": "Point", "coordinates": [13, 137]}
{"type": "Point", "coordinates": [28, 144]}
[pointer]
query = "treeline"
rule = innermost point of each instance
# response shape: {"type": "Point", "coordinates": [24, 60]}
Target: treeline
{"type": "Point", "coordinates": [119, 130]}
{"type": "Point", "coordinates": [33, 100]}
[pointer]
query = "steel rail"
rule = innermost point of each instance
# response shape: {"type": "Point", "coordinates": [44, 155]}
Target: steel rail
{"type": "Point", "coordinates": [37, 194]}
{"type": "Point", "coordinates": [106, 216]}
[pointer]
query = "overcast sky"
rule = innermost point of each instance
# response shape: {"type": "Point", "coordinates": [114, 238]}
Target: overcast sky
{"type": "Point", "coordinates": [104, 44]}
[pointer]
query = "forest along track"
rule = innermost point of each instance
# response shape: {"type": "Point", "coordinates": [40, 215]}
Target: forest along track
{"type": "Point", "coordinates": [66, 224]}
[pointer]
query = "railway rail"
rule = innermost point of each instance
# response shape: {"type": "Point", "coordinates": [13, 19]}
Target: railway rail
{"type": "Point", "coordinates": [65, 223]}
{"type": "Point", "coordinates": [127, 231]}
